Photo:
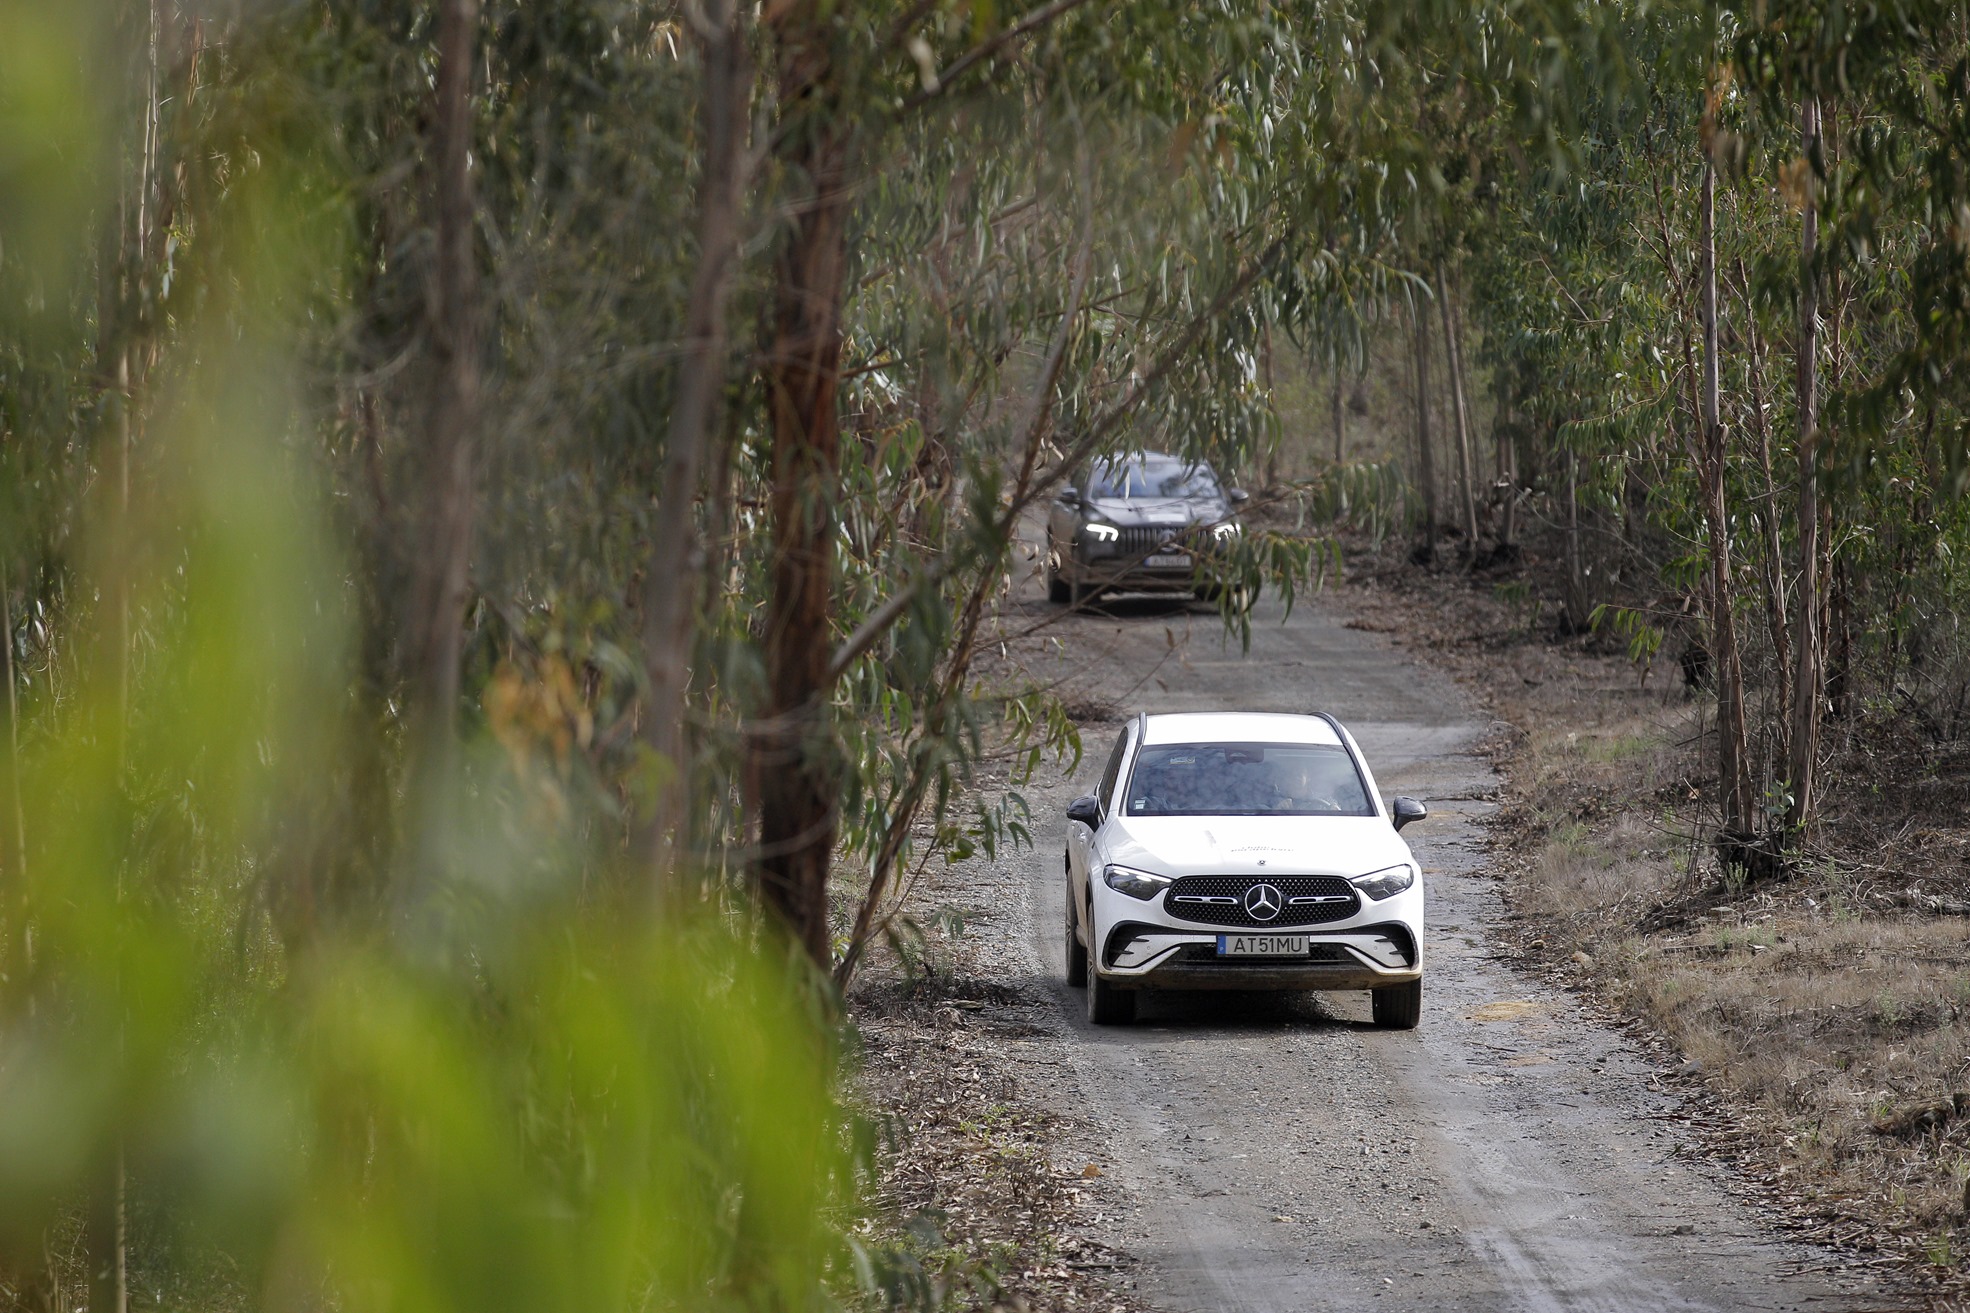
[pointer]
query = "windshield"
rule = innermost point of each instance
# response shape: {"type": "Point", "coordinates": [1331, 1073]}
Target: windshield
{"type": "Point", "coordinates": [1168, 478]}
{"type": "Point", "coordinates": [1246, 779]}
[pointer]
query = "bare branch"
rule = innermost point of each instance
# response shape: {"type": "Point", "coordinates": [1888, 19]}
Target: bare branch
{"type": "Point", "coordinates": [990, 46]}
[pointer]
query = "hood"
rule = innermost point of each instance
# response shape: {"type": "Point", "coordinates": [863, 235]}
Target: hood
{"type": "Point", "coordinates": [1257, 845]}
{"type": "Point", "coordinates": [1161, 511]}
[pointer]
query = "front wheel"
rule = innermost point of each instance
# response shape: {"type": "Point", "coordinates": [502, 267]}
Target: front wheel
{"type": "Point", "coordinates": [1109, 1005]}
{"type": "Point", "coordinates": [1057, 590]}
{"type": "Point", "coordinates": [1077, 952]}
{"type": "Point", "coordinates": [1398, 1007]}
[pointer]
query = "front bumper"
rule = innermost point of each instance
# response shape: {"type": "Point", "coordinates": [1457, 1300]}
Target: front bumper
{"type": "Point", "coordinates": [1142, 946]}
{"type": "Point", "coordinates": [1130, 563]}
{"type": "Point", "coordinates": [1122, 575]}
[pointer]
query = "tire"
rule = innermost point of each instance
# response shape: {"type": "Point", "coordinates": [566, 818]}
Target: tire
{"type": "Point", "coordinates": [1107, 1004]}
{"type": "Point", "coordinates": [1077, 952]}
{"type": "Point", "coordinates": [1398, 1007]}
{"type": "Point", "coordinates": [1057, 591]}
{"type": "Point", "coordinates": [1079, 595]}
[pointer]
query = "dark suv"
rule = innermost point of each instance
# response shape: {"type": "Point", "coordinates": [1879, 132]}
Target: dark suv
{"type": "Point", "coordinates": [1141, 523]}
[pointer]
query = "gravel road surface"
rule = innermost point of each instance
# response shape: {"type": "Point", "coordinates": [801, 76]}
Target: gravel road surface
{"type": "Point", "coordinates": [1277, 1153]}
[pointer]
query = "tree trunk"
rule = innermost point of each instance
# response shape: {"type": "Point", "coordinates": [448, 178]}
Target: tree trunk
{"type": "Point", "coordinates": [1453, 364]}
{"type": "Point", "coordinates": [1733, 767]}
{"type": "Point", "coordinates": [1340, 417]}
{"type": "Point", "coordinates": [1508, 474]}
{"type": "Point", "coordinates": [17, 819]}
{"type": "Point", "coordinates": [434, 625]}
{"type": "Point", "coordinates": [1774, 572]}
{"type": "Point", "coordinates": [106, 1237]}
{"type": "Point", "coordinates": [1840, 644]}
{"type": "Point", "coordinates": [1425, 449]}
{"type": "Point", "coordinates": [1577, 609]}
{"type": "Point", "coordinates": [1267, 378]}
{"type": "Point", "coordinates": [796, 771]}
{"type": "Point", "coordinates": [676, 565]}
{"type": "Point", "coordinates": [1806, 680]}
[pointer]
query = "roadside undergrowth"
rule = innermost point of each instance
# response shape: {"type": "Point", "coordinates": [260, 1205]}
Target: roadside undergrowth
{"type": "Point", "coordinates": [982, 1201]}
{"type": "Point", "coordinates": [1821, 1023]}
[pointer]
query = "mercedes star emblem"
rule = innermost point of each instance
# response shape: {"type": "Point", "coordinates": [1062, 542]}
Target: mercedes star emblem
{"type": "Point", "coordinates": [1262, 902]}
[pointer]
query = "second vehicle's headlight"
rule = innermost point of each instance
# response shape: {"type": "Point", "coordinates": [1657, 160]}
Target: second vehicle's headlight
{"type": "Point", "coordinates": [1386, 883]}
{"type": "Point", "coordinates": [1134, 883]}
{"type": "Point", "coordinates": [1226, 532]}
{"type": "Point", "coordinates": [1101, 533]}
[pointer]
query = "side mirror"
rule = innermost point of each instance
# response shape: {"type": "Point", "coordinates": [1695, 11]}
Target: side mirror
{"type": "Point", "coordinates": [1404, 810]}
{"type": "Point", "coordinates": [1086, 809]}
{"type": "Point", "coordinates": [1068, 497]}
{"type": "Point", "coordinates": [1238, 496]}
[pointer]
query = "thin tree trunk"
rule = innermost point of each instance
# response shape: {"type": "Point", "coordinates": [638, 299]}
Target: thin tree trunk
{"type": "Point", "coordinates": [107, 1220]}
{"type": "Point", "coordinates": [1836, 615]}
{"type": "Point", "coordinates": [795, 767]}
{"type": "Point", "coordinates": [1733, 766]}
{"type": "Point", "coordinates": [1271, 387]}
{"type": "Point", "coordinates": [1577, 609]}
{"type": "Point", "coordinates": [1425, 448]}
{"type": "Point", "coordinates": [14, 959]}
{"type": "Point", "coordinates": [1508, 473]}
{"type": "Point", "coordinates": [1340, 416]}
{"type": "Point", "coordinates": [670, 594]}
{"type": "Point", "coordinates": [1774, 572]}
{"type": "Point", "coordinates": [1806, 682]}
{"type": "Point", "coordinates": [107, 1243]}
{"type": "Point", "coordinates": [435, 621]}
{"type": "Point", "coordinates": [17, 845]}
{"type": "Point", "coordinates": [1453, 364]}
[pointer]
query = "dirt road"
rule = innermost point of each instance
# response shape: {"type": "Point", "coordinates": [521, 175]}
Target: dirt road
{"type": "Point", "coordinates": [1262, 1153]}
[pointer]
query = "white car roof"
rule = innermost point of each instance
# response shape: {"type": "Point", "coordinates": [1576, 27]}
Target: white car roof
{"type": "Point", "coordinates": [1237, 727]}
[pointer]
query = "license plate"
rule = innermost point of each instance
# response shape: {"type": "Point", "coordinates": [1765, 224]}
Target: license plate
{"type": "Point", "coordinates": [1169, 559]}
{"type": "Point", "coordinates": [1262, 946]}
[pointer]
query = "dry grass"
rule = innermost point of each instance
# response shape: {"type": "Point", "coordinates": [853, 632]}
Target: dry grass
{"type": "Point", "coordinates": [1828, 1016]}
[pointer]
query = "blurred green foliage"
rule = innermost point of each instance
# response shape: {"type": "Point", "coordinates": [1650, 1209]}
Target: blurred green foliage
{"type": "Point", "coordinates": [493, 1093]}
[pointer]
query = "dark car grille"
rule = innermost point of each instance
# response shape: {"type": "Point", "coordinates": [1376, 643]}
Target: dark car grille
{"type": "Point", "coordinates": [1234, 887]}
{"type": "Point", "coordinates": [1138, 540]}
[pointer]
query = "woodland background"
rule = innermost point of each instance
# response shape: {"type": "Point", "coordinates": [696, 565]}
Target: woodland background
{"type": "Point", "coordinates": [500, 506]}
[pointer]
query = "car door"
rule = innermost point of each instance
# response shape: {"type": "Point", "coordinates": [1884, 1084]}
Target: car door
{"type": "Point", "coordinates": [1082, 849]}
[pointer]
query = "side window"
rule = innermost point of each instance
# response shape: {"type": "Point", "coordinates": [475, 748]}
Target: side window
{"type": "Point", "coordinates": [1107, 792]}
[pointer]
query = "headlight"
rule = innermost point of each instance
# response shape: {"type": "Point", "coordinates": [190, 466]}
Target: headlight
{"type": "Point", "coordinates": [1226, 532]}
{"type": "Point", "coordinates": [1101, 533]}
{"type": "Point", "coordinates": [1136, 884]}
{"type": "Point", "coordinates": [1382, 884]}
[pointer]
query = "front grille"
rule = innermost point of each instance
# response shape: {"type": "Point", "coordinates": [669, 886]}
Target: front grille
{"type": "Point", "coordinates": [1140, 540]}
{"type": "Point", "coordinates": [1227, 895]}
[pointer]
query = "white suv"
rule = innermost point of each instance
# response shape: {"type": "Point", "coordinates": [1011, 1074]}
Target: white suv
{"type": "Point", "coordinates": [1227, 850]}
